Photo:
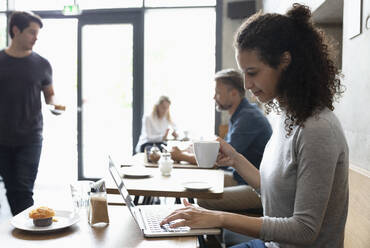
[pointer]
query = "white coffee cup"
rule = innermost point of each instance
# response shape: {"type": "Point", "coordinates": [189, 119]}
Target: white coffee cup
{"type": "Point", "coordinates": [206, 153]}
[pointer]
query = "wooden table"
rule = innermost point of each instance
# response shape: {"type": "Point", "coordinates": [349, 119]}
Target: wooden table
{"type": "Point", "coordinates": [121, 232]}
{"type": "Point", "coordinates": [172, 186]}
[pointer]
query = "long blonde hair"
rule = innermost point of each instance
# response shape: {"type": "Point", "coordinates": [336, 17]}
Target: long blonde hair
{"type": "Point", "coordinates": [155, 112]}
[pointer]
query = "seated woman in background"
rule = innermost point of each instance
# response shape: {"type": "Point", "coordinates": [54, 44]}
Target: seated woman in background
{"type": "Point", "coordinates": [303, 177]}
{"type": "Point", "coordinates": [156, 127]}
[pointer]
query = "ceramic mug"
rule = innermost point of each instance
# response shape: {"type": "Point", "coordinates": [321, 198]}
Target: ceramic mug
{"type": "Point", "coordinates": [206, 153]}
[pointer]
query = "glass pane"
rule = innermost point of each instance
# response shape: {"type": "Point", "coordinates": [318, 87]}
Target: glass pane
{"type": "Point", "coordinates": [3, 33]}
{"type": "Point", "coordinates": [179, 3]}
{"type": "Point", "coordinates": [109, 4]}
{"type": "Point", "coordinates": [84, 4]}
{"type": "Point", "coordinates": [106, 95]}
{"type": "Point", "coordinates": [59, 154]}
{"type": "Point", "coordinates": [40, 4]}
{"type": "Point", "coordinates": [3, 5]}
{"type": "Point", "coordinates": [180, 63]}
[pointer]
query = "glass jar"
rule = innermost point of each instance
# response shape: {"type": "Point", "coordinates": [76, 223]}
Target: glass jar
{"type": "Point", "coordinates": [98, 206]}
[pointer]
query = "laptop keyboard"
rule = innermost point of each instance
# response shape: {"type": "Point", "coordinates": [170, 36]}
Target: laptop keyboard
{"type": "Point", "coordinates": [154, 218]}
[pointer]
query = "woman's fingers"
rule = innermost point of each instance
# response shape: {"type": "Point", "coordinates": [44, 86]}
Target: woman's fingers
{"type": "Point", "coordinates": [178, 213]}
{"type": "Point", "coordinates": [179, 223]}
{"type": "Point", "coordinates": [175, 216]}
{"type": "Point", "coordinates": [186, 203]}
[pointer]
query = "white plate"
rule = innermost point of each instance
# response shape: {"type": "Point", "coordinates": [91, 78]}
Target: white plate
{"type": "Point", "coordinates": [197, 185]}
{"type": "Point", "coordinates": [65, 219]}
{"type": "Point", "coordinates": [135, 172]}
{"type": "Point", "coordinates": [57, 111]}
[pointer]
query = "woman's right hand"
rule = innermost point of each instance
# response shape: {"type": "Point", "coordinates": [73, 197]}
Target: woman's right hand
{"type": "Point", "coordinates": [194, 217]}
{"type": "Point", "coordinates": [227, 154]}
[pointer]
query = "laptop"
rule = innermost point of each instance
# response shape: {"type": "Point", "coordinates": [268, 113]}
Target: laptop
{"type": "Point", "coordinates": [148, 217]}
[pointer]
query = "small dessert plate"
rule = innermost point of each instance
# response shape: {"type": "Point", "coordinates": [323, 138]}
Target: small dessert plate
{"type": "Point", "coordinates": [136, 172]}
{"type": "Point", "coordinates": [54, 110]}
{"type": "Point", "coordinates": [64, 220]}
{"type": "Point", "coordinates": [197, 185]}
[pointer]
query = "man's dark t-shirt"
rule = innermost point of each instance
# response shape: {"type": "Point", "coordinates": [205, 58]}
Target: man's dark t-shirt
{"type": "Point", "coordinates": [21, 83]}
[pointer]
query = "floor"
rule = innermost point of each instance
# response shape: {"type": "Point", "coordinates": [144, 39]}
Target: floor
{"type": "Point", "coordinates": [4, 206]}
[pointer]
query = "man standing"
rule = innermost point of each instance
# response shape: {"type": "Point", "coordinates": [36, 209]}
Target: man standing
{"type": "Point", "coordinates": [248, 132]}
{"type": "Point", "coordinates": [23, 75]}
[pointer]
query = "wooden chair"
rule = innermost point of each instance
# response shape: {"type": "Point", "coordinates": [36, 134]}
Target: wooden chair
{"type": "Point", "coordinates": [222, 130]}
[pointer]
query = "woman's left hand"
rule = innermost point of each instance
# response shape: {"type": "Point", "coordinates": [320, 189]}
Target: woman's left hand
{"type": "Point", "coordinates": [194, 217]}
{"type": "Point", "coordinates": [227, 154]}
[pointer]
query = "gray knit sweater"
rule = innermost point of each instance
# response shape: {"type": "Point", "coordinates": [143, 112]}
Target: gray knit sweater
{"type": "Point", "coordinates": [304, 184]}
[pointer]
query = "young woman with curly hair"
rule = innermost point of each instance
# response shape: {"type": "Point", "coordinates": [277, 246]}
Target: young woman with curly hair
{"type": "Point", "coordinates": [303, 177]}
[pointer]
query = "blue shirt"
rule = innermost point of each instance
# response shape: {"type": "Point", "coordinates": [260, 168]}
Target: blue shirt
{"type": "Point", "coordinates": [249, 132]}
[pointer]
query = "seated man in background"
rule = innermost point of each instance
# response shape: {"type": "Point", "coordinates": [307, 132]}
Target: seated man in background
{"type": "Point", "coordinates": [249, 131]}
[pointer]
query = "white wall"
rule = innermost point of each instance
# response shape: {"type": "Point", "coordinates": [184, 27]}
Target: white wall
{"type": "Point", "coordinates": [276, 6]}
{"type": "Point", "coordinates": [229, 27]}
{"type": "Point", "coordinates": [353, 107]}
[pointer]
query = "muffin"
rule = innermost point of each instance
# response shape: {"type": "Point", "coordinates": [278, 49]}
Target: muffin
{"type": "Point", "coordinates": [59, 107]}
{"type": "Point", "coordinates": [42, 216]}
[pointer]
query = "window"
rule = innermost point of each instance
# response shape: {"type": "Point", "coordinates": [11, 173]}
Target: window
{"type": "Point", "coordinates": [59, 153]}
{"type": "Point", "coordinates": [106, 4]}
{"type": "Point", "coordinates": [84, 4]}
{"type": "Point", "coordinates": [2, 5]}
{"type": "Point", "coordinates": [107, 82]}
{"type": "Point", "coordinates": [3, 33]}
{"type": "Point", "coordinates": [180, 63]}
{"type": "Point", "coordinates": [178, 3]}
{"type": "Point", "coordinates": [39, 4]}
{"type": "Point", "coordinates": [179, 54]}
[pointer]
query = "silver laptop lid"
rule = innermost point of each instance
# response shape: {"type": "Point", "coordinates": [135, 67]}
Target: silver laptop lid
{"type": "Point", "coordinates": [123, 191]}
{"type": "Point", "coordinates": [136, 213]}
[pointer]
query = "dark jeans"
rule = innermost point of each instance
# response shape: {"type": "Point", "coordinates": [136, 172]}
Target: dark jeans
{"type": "Point", "coordinates": [18, 168]}
{"type": "Point", "coordinates": [255, 243]}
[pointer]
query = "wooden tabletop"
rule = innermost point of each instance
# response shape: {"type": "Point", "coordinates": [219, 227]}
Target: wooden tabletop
{"type": "Point", "coordinates": [121, 232]}
{"type": "Point", "coordinates": [172, 186]}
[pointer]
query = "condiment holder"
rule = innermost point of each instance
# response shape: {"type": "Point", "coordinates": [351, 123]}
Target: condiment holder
{"type": "Point", "coordinates": [98, 206]}
{"type": "Point", "coordinates": [165, 163]}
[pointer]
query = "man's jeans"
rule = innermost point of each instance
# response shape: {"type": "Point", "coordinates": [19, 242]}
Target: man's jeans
{"type": "Point", "coordinates": [18, 168]}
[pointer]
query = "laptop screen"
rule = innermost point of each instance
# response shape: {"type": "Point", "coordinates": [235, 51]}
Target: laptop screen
{"type": "Point", "coordinates": [120, 185]}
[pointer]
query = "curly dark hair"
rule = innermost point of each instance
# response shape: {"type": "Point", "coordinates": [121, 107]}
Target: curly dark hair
{"type": "Point", "coordinates": [311, 82]}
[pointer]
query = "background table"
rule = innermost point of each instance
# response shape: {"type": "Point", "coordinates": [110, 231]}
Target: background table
{"type": "Point", "coordinates": [172, 186]}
